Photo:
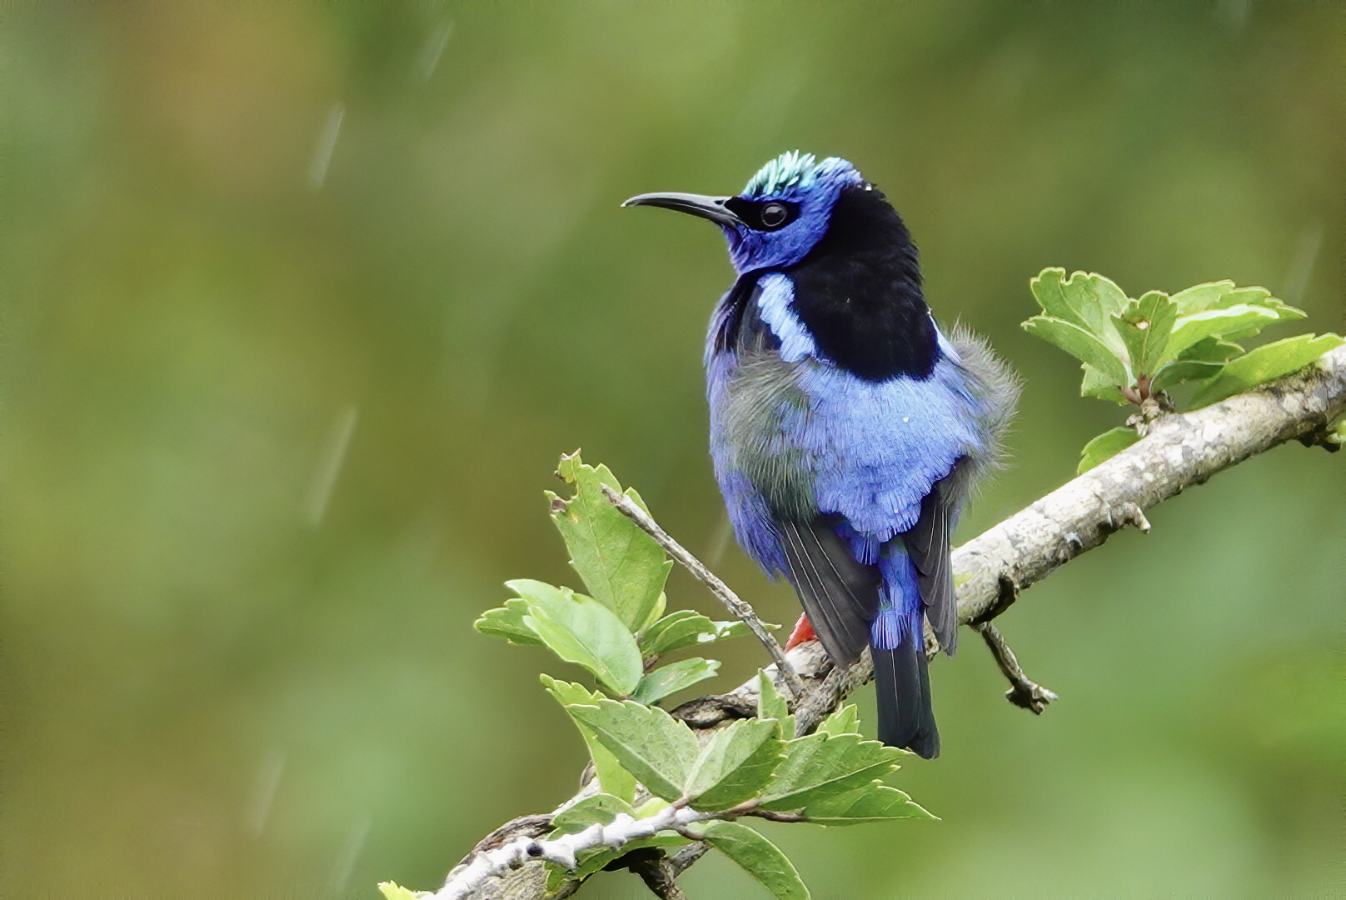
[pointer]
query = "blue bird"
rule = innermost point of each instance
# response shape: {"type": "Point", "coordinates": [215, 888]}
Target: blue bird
{"type": "Point", "coordinates": [846, 428]}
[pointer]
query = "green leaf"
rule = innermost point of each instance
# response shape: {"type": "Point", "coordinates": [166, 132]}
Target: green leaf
{"type": "Point", "coordinates": [669, 679]}
{"type": "Point", "coordinates": [659, 605]}
{"type": "Point", "coordinates": [1086, 300]}
{"type": "Point", "coordinates": [583, 631]}
{"type": "Point", "coordinates": [680, 628]}
{"type": "Point", "coordinates": [844, 721]}
{"type": "Point", "coordinates": [1202, 360]}
{"type": "Point", "coordinates": [757, 856]}
{"type": "Point", "coordinates": [1265, 364]}
{"type": "Point", "coordinates": [735, 764]}
{"type": "Point", "coordinates": [1144, 326]}
{"type": "Point", "coordinates": [825, 765]}
{"type": "Point", "coordinates": [1286, 312]}
{"type": "Point", "coordinates": [1081, 344]}
{"type": "Point", "coordinates": [1240, 319]}
{"type": "Point", "coordinates": [1096, 384]}
{"type": "Point", "coordinates": [1211, 350]}
{"type": "Point", "coordinates": [1047, 290]}
{"type": "Point", "coordinates": [1201, 297]}
{"type": "Point", "coordinates": [649, 743]}
{"type": "Point", "coordinates": [1105, 446]}
{"type": "Point", "coordinates": [1182, 370]}
{"type": "Point", "coordinates": [687, 628]}
{"type": "Point", "coordinates": [507, 622]}
{"type": "Point", "coordinates": [1223, 294]}
{"type": "Point", "coordinates": [596, 809]}
{"type": "Point", "coordinates": [874, 803]}
{"type": "Point", "coordinates": [391, 890]}
{"type": "Point", "coordinates": [612, 778]}
{"type": "Point", "coordinates": [622, 566]}
{"type": "Point", "coordinates": [771, 705]}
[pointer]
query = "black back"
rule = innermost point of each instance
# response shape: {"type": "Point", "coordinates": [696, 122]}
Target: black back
{"type": "Point", "coordinates": [858, 291]}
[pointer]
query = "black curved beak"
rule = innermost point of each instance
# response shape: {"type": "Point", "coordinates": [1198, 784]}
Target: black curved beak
{"type": "Point", "coordinates": [712, 208]}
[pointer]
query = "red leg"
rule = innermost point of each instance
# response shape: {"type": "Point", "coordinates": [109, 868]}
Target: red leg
{"type": "Point", "coordinates": [803, 632]}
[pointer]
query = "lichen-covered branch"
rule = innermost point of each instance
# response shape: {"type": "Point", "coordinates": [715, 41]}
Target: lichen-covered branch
{"type": "Point", "coordinates": [1177, 452]}
{"type": "Point", "coordinates": [469, 878]}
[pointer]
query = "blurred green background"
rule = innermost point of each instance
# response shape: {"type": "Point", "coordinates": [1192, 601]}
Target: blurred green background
{"type": "Point", "coordinates": [302, 302]}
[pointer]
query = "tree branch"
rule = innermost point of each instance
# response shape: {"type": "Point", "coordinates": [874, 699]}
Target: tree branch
{"type": "Point", "coordinates": [1023, 692]}
{"type": "Point", "coordinates": [1177, 451]}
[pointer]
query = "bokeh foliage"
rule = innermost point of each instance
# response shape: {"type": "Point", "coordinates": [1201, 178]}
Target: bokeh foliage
{"type": "Point", "coordinates": [276, 431]}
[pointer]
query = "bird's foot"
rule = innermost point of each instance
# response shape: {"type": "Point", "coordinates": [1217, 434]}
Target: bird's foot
{"type": "Point", "coordinates": [803, 632]}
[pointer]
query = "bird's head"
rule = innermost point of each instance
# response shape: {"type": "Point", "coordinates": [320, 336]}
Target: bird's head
{"type": "Point", "coordinates": [782, 213]}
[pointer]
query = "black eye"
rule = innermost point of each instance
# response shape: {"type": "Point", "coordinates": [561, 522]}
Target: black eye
{"type": "Point", "coordinates": [774, 215]}
{"type": "Point", "coordinates": [763, 215]}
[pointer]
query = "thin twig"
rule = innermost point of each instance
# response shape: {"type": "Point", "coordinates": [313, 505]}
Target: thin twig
{"type": "Point", "coordinates": [1023, 691]}
{"type": "Point", "coordinates": [739, 608]}
{"type": "Point", "coordinates": [686, 856]}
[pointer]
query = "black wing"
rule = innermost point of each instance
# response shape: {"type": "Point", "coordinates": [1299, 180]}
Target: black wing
{"type": "Point", "coordinates": [839, 595]}
{"type": "Point", "coordinates": [928, 543]}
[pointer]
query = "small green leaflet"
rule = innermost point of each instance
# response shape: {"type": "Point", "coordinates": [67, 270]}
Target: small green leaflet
{"type": "Point", "coordinates": [1087, 300]}
{"type": "Point", "coordinates": [1181, 370]}
{"type": "Point", "coordinates": [596, 809]}
{"type": "Point", "coordinates": [1105, 446]}
{"type": "Point", "coordinates": [663, 753]}
{"type": "Point", "coordinates": [1242, 320]}
{"type": "Point", "coordinates": [734, 764]}
{"type": "Point", "coordinates": [622, 566]}
{"type": "Point", "coordinates": [612, 778]}
{"type": "Point", "coordinates": [1202, 360]}
{"type": "Point", "coordinates": [822, 765]}
{"type": "Point", "coordinates": [391, 890]}
{"type": "Point", "coordinates": [1223, 294]}
{"type": "Point", "coordinates": [757, 856]}
{"type": "Point", "coordinates": [1212, 350]}
{"type": "Point", "coordinates": [576, 628]}
{"type": "Point", "coordinates": [1144, 326]}
{"type": "Point", "coordinates": [1264, 364]}
{"type": "Point", "coordinates": [771, 705]}
{"type": "Point", "coordinates": [1096, 384]}
{"type": "Point", "coordinates": [649, 743]}
{"type": "Point", "coordinates": [687, 628]}
{"type": "Point", "coordinates": [680, 628]}
{"type": "Point", "coordinates": [507, 622]}
{"type": "Point", "coordinates": [1083, 345]}
{"type": "Point", "coordinates": [658, 684]}
{"type": "Point", "coordinates": [847, 719]}
{"type": "Point", "coordinates": [874, 803]}
{"type": "Point", "coordinates": [1201, 297]}
{"type": "Point", "coordinates": [585, 632]}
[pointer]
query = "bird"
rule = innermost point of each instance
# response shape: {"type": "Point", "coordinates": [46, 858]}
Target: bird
{"type": "Point", "coordinates": [847, 428]}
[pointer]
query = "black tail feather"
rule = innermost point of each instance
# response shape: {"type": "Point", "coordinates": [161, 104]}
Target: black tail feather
{"type": "Point", "coordinates": [906, 716]}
